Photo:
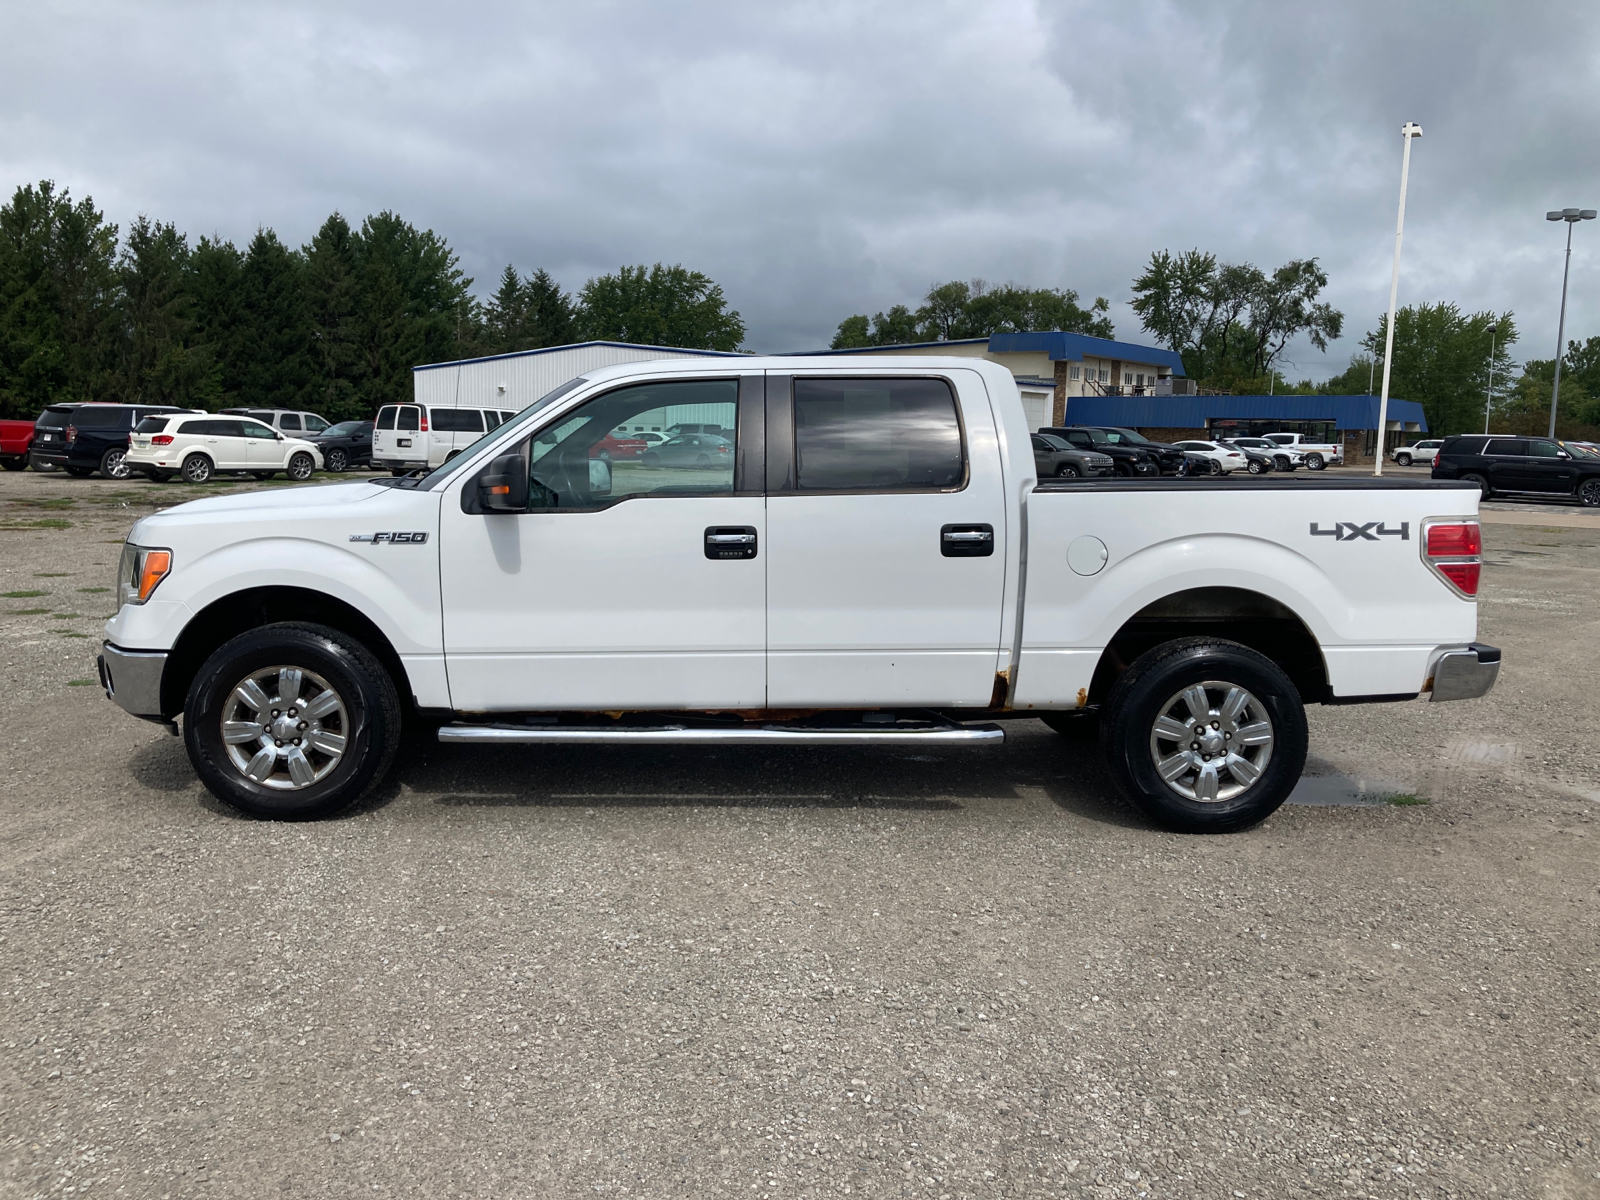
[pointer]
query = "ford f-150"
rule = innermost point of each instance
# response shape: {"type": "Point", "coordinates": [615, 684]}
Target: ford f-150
{"type": "Point", "coordinates": [875, 562]}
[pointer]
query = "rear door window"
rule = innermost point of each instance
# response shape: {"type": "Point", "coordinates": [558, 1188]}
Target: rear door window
{"type": "Point", "coordinates": [289, 422]}
{"type": "Point", "coordinates": [876, 434]}
{"type": "Point", "coordinates": [386, 417]}
{"type": "Point", "coordinates": [408, 418]}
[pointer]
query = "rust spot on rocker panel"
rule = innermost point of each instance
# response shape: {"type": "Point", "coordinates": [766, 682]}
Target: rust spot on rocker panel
{"type": "Point", "coordinates": [1083, 697]}
{"type": "Point", "coordinates": [1002, 685]}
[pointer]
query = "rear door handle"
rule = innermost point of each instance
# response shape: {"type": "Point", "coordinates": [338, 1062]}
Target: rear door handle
{"type": "Point", "coordinates": [730, 541]}
{"type": "Point", "coordinates": [966, 541]}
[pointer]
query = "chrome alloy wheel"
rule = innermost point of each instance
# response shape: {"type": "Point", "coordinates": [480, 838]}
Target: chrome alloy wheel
{"type": "Point", "coordinates": [285, 727]}
{"type": "Point", "coordinates": [1211, 742]}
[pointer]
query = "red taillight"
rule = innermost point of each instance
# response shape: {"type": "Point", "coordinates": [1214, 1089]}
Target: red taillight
{"type": "Point", "coordinates": [1454, 541]}
{"type": "Point", "coordinates": [1436, 460]}
{"type": "Point", "coordinates": [1463, 574]}
{"type": "Point", "coordinates": [1452, 548]}
{"type": "Point", "coordinates": [424, 428]}
{"type": "Point", "coordinates": [161, 439]}
{"type": "Point", "coordinates": [72, 434]}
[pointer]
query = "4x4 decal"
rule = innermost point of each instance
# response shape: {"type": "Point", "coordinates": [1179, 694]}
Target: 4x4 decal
{"type": "Point", "coordinates": [1371, 531]}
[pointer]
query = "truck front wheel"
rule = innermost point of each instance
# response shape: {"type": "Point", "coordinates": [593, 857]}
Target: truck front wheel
{"type": "Point", "coordinates": [1204, 735]}
{"type": "Point", "coordinates": [291, 722]}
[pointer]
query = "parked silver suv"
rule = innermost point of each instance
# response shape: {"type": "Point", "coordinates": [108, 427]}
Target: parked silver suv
{"type": "Point", "coordinates": [286, 420]}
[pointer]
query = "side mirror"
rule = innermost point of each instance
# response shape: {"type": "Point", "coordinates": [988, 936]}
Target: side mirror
{"type": "Point", "coordinates": [599, 477]}
{"type": "Point", "coordinates": [503, 488]}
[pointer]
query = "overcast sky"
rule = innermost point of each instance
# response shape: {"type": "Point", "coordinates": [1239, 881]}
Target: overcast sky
{"type": "Point", "coordinates": [822, 159]}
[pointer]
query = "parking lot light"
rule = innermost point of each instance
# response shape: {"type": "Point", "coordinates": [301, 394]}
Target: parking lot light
{"type": "Point", "coordinates": [1571, 216]}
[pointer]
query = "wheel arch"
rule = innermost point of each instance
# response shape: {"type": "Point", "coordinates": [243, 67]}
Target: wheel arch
{"type": "Point", "coordinates": [1264, 624]}
{"type": "Point", "coordinates": [229, 615]}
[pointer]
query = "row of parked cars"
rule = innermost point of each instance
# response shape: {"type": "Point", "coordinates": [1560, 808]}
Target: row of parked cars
{"type": "Point", "coordinates": [1094, 450]}
{"type": "Point", "coordinates": [162, 441]}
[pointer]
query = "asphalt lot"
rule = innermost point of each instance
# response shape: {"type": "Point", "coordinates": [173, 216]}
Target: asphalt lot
{"type": "Point", "coordinates": [584, 971]}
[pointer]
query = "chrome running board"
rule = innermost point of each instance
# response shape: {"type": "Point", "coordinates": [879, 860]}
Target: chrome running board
{"type": "Point", "coordinates": [689, 735]}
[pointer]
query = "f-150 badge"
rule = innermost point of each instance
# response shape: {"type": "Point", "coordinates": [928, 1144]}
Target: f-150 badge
{"type": "Point", "coordinates": [1371, 531]}
{"type": "Point", "coordinates": [397, 539]}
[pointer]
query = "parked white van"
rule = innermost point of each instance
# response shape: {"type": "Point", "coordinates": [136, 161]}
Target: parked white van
{"type": "Point", "coordinates": [408, 436]}
{"type": "Point", "coordinates": [198, 446]}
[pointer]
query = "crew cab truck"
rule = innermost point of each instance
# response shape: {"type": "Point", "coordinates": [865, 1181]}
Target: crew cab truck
{"type": "Point", "coordinates": [875, 563]}
{"type": "Point", "coordinates": [1316, 455]}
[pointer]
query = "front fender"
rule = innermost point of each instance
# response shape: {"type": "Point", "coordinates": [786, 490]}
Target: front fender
{"type": "Point", "coordinates": [398, 592]}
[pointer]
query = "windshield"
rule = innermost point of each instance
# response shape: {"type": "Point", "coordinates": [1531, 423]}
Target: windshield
{"type": "Point", "coordinates": [443, 472]}
{"type": "Point", "coordinates": [343, 428]}
{"type": "Point", "coordinates": [1129, 436]}
{"type": "Point", "coordinates": [1582, 451]}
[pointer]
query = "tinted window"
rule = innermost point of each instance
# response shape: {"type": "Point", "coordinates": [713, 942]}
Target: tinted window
{"type": "Point", "coordinates": [876, 434]}
{"type": "Point", "coordinates": [201, 428]}
{"type": "Point", "coordinates": [54, 418]}
{"type": "Point", "coordinates": [408, 418]}
{"type": "Point", "coordinates": [1053, 442]}
{"type": "Point", "coordinates": [1040, 444]}
{"type": "Point", "coordinates": [492, 418]}
{"type": "Point", "coordinates": [386, 417]}
{"type": "Point", "coordinates": [314, 423]}
{"type": "Point", "coordinates": [255, 429]}
{"type": "Point", "coordinates": [1506, 446]}
{"type": "Point", "coordinates": [456, 420]}
{"type": "Point", "coordinates": [290, 421]}
{"type": "Point", "coordinates": [1127, 435]}
{"type": "Point", "coordinates": [345, 428]}
{"type": "Point", "coordinates": [109, 417]}
{"type": "Point", "coordinates": [151, 425]}
{"type": "Point", "coordinates": [1543, 449]}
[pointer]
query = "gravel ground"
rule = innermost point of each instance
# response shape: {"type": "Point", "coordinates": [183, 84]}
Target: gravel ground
{"type": "Point", "coordinates": [582, 971]}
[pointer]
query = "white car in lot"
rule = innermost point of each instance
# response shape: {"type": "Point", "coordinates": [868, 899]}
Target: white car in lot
{"type": "Point", "coordinates": [408, 436]}
{"type": "Point", "coordinates": [1421, 452]}
{"type": "Point", "coordinates": [1317, 454]}
{"type": "Point", "coordinates": [199, 446]}
{"type": "Point", "coordinates": [1284, 458]}
{"type": "Point", "coordinates": [1224, 458]}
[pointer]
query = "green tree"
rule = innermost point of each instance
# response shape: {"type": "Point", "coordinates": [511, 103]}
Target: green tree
{"type": "Point", "coordinates": [960, 309]}
{"type": "Point", "coordinates": [527, 314]}
{"type": "Point", "coordinates": [1441, 359]}
{"type": "Point", "coordinates": [58, 300]}
{"type": "Point", "coordinates": [1525, 407]}
{"type": "Point", "coordinates": [1232, 322]}
{"type": "Point", "coordinates": [161, 361]}
{"type": "Point", "coordinates": [332, 298]}
{"type": "Point", "coordinates": [271, 349]}
{"type": "Point", "coordinates": [659, 306]}
{"type": "Point", "coordinates": [212, 281]}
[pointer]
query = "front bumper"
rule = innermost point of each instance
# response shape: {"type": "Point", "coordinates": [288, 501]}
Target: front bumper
{"type": "Point", "coordinates": [132, 678]}
{"type": "Point", "coordinates": [1465, 674]}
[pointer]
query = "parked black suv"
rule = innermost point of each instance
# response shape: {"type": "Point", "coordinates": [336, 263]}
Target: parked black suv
{"type": "Point", "coordinates": [85, 438]}
{"type": "Point", "coordinates": [345, 445]}
{"type": "Point", "coordinates": [1131, 453]}
{"type": "Point", "coordinates": [1532, 465]}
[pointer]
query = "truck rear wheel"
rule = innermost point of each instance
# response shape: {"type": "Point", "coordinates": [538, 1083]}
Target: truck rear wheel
{"type": "Point", "coordinates": [1315, 462]}
{"type": "Point", "coordinates": [291, 722]}
{"type": "Point", "coordinates": [1204, 735]}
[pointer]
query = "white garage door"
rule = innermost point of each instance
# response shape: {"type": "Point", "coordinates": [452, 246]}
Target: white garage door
{"type": "Point", "coordinates": [1036, 407]}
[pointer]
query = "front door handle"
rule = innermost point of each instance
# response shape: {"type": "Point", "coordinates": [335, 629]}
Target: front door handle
{"type": "Point", "coordinates": [731, 541]}
{"type": "Point", "coordinates": [966, 541]}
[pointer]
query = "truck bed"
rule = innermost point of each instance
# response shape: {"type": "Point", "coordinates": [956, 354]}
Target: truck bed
{"type": "Point", "coordinates": [1242, 482]}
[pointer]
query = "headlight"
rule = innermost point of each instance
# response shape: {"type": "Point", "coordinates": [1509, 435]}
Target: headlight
{"type": "Point", "coordinates": [140, 571]}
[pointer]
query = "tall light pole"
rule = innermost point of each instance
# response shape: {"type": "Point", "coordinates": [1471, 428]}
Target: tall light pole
{"type": "Point", "coordinates": [1407, 131]}
{"type": "Point", "coordinates": [1571, 216]}
{"type": "Point", "coordinates": [1488, 396]}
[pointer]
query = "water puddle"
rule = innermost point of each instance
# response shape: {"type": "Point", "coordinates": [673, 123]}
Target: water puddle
{"type": "Point", "coordinates": [1337, 789]}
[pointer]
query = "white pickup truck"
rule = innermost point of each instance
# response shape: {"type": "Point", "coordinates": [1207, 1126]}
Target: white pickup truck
{"type": "Point", "coordinates": [1316, 455]}
{"type": "Point", "coordinates": [864, 556]}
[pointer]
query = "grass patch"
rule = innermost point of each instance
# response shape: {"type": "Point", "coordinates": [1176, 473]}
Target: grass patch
{"type": "Point", "coordinates": [76, 635]}
{"type": "Point", "coordinates": [28, 612]}
{"type": "Point", "coordinates": [80, 683]}
{"type": "Point", "coordinates": [66, 616]}
{"type": "Point", "coordinates": [41, 523]}
{"type": "Point", "coordinates": [60, 502]}
{"type": "Point", "coordinates": [22, 595]}
{"type": "Point", "coordinates": [93, 591]}
{"type": "Point", "coordinates": [1406, 800]}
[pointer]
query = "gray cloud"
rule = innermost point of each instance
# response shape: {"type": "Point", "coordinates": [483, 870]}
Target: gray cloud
{"type": "Point", "coordinates": [820, 159]}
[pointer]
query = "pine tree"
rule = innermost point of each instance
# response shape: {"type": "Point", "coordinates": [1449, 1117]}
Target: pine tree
{"type": "Point", "coordinates": [331, 284]}
{"type": "Point", "coordinates": [272, 350]}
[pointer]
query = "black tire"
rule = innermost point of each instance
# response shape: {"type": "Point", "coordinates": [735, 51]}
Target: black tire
{"type": "Point", "coordinates": [604, 456]}
{"type": "Point", "coordinates": [371, 730]}
{"type": "Point", "coordinates": [79, 472]}
{"type": "Point", "coordinates": [1315, 462]}
{"type": "Point", "coordinates": [1122, 468]}
{"type": "Point", "coordinates": [39, 465]}
{"type": "Point", "coordinates": [114, 463]}
{"type": "Point", "coordinates": [702, 460]}
{"type": "Point", "coordinates": [1589, 493]}
{"type": "Point", "coordinates": [197, 468]}
{"type": "Point", "coordinates": [1066, 471]}
{"type": "Point", "coordinates": [158, 476]}
{"type": "Point", "coordinates": [1075, 726]}
{"type": "Point", "coordinates": [14, 464]}
{"type": "Point", "coordinates": [301, 466]}
{"type": "Point", "coordinates": [1484, 491]}
{"type": "Point", "coordinates": [336, 460]}
{"type": "Point", "coordinates": [1257, 467]}
{"type": "Point", "coordinates": [1403, 459]}
{"type": "Point", "coordinates": [1146, 692]}
{"type": "Point", "coordinates": [1282, 463]}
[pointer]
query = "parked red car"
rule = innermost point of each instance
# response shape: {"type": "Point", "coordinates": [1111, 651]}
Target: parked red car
{"type": "Point", "coordinates": [611, 446]}
{"type": "Point", "coordinates": [15, 438]}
